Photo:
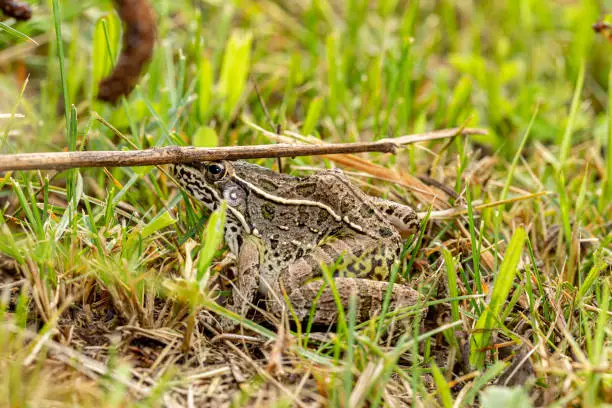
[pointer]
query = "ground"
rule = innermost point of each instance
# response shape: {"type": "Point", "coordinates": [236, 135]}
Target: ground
{"type": "Point", "coordinates": [106, 274]}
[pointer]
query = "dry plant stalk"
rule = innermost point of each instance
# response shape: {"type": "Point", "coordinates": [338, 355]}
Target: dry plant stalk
{"type": "Point", "coordinates": [177, 154]}
{"type": "Point", "coordinates": [139, 34]}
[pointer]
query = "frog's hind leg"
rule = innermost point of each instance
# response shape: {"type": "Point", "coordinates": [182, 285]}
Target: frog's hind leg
{"type": "Point", "coordinates": [354, 255]}
{"type": "Point", "coordinates": [364, 266]}
{"type": "Point", "coordinates": [370, 296]}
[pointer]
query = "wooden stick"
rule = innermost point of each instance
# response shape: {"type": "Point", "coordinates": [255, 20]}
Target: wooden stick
{"type": "Point", "coordinates": [176, 154]}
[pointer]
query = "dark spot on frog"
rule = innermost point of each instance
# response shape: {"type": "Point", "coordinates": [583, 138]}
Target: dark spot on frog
{"type": "Point", "coordinates": [306, 189]}
{"type": "Point", "coordinates": [334, 231]}
{"type": "Point", "coordinates": [408, 218]}
{"type": "Point", "coordinates": [357, 268]}
{"type": "Point", "coordinates": [267, 211]}
{"type": "Point", "coordinates": [267, 185]}
{"type": "Point", "coordinates": [366, 211]}
{"type": "Point", "coordinates": [377, 262]}
{"type": "Point", "coordinates": [390, 262]}
{"type": "Point", "coordinates": [323, 216]}
{"type": "Point", "coordinates": [385, 232]}
{"type": "Point", "coordinates": [274, 245]}
{"type": "Point", "coordinates": [302, 216]}
{"type": "Point", "coordinates": [346, 204]}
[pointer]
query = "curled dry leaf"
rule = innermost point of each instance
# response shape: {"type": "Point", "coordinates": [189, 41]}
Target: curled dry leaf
{"type": "Point", "coordinates": [138, 41]}
{"type": "Point", "coordinates": [19, 10]}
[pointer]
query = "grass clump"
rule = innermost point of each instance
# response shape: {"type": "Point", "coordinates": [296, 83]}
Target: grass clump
{"type": "Point", "coordinates": [107, 275]}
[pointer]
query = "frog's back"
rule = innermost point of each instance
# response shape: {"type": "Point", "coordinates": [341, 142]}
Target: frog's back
{"type": "Point", "coordinates": [319, 204]}
{"type": "Point", "coordinates": [282, 210]}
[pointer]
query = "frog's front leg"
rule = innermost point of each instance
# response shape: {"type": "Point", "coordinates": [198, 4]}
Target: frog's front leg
{"type": "Point", "coordinates": [243, 294]}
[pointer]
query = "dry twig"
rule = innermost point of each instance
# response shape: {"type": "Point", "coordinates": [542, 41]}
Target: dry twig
{"type": "Point", "coordinates": [176, 154]}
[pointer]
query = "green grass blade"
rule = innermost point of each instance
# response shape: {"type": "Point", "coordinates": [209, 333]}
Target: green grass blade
{"type": "Point", "coordinates": [451, 275]}
{"type": "Point", "coordinates": [15, 33]}
{"type": "Point", "coordinates": [350, 348]}
{"type": "Point", "coordinates": [487, 322]}
{"type": "Point", "coordinates": [482, 380]}
{"type": "Point", "coordinates": [57, 20]}
{"type": "Point", "coordinates": [212, 238]}
{"type": "Point", "coordinates": [442, 387]}
{"type": "Point", "coordinates": [333, 97]}
{"type": "Point", "coordinates": [235, 69]}
{"type": "Point", "coordinates": [475, 240]}
{"type": "Point", "coordinates": [205, 84]}
{"type": "Point", "coordinates": [313, 115]}
{"type": "Point", "coordinates": [607, 196]}
{"type": "Point", "coordinates": [566, 141]}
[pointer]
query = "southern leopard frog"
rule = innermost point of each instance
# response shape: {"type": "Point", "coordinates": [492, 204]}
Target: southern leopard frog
{"type": "Point", "coordinates": [282, 229]}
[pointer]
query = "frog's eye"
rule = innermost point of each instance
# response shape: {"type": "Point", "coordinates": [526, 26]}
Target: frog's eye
{"type": "Point", "coordinates": [215, 171]}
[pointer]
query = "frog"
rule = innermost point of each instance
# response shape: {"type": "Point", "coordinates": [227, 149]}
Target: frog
{"type": "Point", "coordinates": [285, 230]}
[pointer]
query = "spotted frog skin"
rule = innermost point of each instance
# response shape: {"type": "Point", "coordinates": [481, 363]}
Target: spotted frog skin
{"type": "Point", "coordinates": [283, 230]}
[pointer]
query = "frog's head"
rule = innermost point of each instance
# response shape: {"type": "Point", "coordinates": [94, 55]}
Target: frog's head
{"type": "Point", "coordinates": [211, 182]}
